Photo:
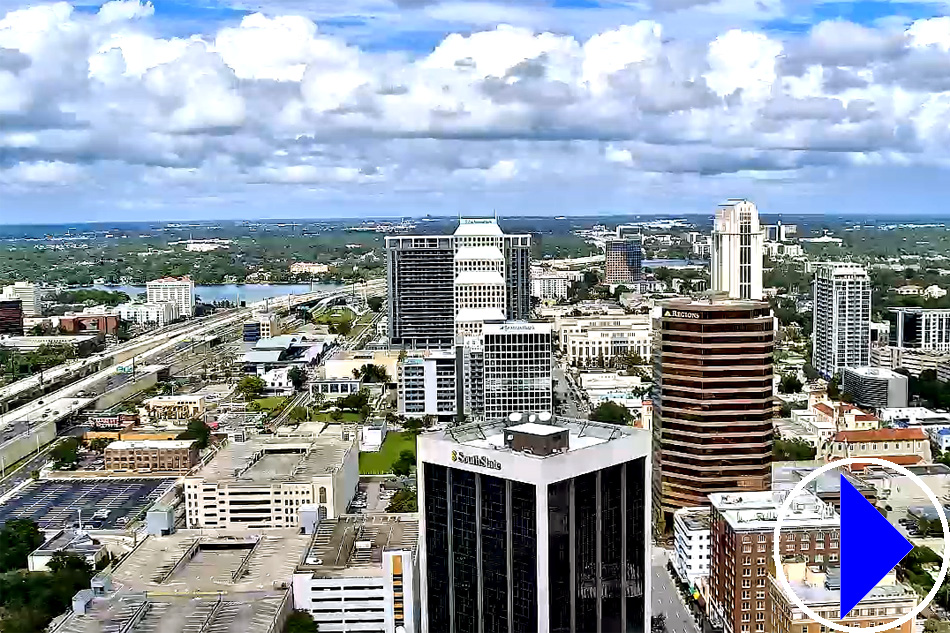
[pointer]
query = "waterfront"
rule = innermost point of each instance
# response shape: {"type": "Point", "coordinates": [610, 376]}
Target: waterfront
{"type": "Point", "coordinates": [674, 263]}
{"type": "Point", "coordinates": [231, 292]}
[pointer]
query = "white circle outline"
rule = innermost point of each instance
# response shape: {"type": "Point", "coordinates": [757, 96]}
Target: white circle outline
{"type": "Point", "coordinates": [783, 579]}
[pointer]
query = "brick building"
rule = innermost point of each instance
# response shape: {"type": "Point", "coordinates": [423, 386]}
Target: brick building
{"type": "Point", "coordinates": [154, 455]}
{"type": "Point", "coordinates": [104, 324]}
{"type": "Point", "coordinates": [741, 528]}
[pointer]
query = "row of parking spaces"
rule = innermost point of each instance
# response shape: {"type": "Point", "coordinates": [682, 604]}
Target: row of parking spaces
{"type": "Point", "coordinates": [55, 504]}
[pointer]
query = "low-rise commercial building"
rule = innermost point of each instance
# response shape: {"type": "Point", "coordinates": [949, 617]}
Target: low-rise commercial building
{"type": "Point", "coordinates": [282, 352]}
{"type": "Point", "coordinates": [69, 541]}
{"type": "Point", "coordinates": [264, 483]}
{"type": "Point", "coordinates": [875, 387]}
{"type": "Point", "coordinates": [308, 268]}
{"type": "Point", "coordinates": [428, 382]}
{"type": "Point", "coordinates": [262, 325]}
{"type": "Point", "coordinates": [184, 407]}
{"type": "Point", "coordinates": [905, 447]}
{"type": "Point", "coordinates": [89, 323]}
{"type": "Point", "coordinates": [913, 360]}
{"type": "Point", "coordinates": [342, 363]}
{"type": "Point", "coordinates": [599, 340]}
{"type": "Point", "coordinates": [821, 592]}
{"type": "Point", "coordinates": [361, 574]}
{"type": "Point", "coordinates": [82, 344]}
{"type": "Point", "coordinates": [151, 455]}
{"type": "Point", "coordinates": [691, 542]}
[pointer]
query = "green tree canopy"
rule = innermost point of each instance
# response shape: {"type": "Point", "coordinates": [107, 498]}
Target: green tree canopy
{"type": "Point", "coordinates": [251, 387]}
{"type": "Point", "coordinates": [793, 450]}
{"type": "Point", "coordinates": [297, 377]}
{"type": "Point", "coordinates": [18, 538]}
{"type": "Point", "coordinates": [300, 622]}
{"type": "Point", "coordinates": [403, 466]}
{"type": "Point", "coordinates": [611, 413]}
{"type": "Point", "coordinates": [405, 500]}
{"type": "Point", "coordinates": [790, 384]}
{"type": "Point", "coordinates": [197, 430]}
{"type": "Point", "coordinates": [66, 453]}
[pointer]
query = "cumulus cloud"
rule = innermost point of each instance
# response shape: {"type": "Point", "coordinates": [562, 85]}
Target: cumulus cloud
{"type": "Point", "coordinates": [273, 100]}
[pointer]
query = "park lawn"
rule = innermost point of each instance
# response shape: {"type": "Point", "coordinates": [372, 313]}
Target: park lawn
{"type": "Point", "coordinates": [382, 462]}
{"type": "Point", "coordinates": [348, 416]}
{"type": "Point", "coordinates": [334, 316]}
{"type": "Point", "coordinates": [271, 403]}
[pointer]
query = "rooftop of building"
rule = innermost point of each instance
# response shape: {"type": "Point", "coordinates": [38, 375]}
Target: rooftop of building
{"type": "Point", "coordinates": [124, 445]}
{"type": "Point", "coordinates": [166, 280]}
{"type": "Point", "coordinates": [880, 435]}
{"type": "Point", "coordinates": [756, 511]}
{"type": "Point", "coordinates": [353, 545]}
{"type": "Point", "coordinates": [693, 518]}
{"type": "Point", "coordinates": [581, 433]}
{"type": "Point", "coordinates": [185, 397]}
{"type": "Point", "coordinates": [282, 342]}
{"type": "Point", "coordinates": [823, 588]}
{"type": "Point", "coordinates": [127, 611]}
{"type": "Point", "coordinates": [72, 541]}
{"type": "Point", "coordinates": [517, 327]}
{"type": "Point", "coordinates": [786, 477]}
{"type": "Point", "coordinates": [278, 459]}
{"type": "Point", "coordinates": [479, 227]}
{"type": "Point", "coordinates": [875, 372]}
{"type": "Point", "coordinates": [709, 301]}
{"type": "Point", "coordinates": [212, 560]}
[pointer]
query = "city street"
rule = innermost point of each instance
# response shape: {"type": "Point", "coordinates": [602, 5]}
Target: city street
{"type": "Point", "coordinates": [564, 393]}
{"type": "Point", "coordinates": [667, 599]}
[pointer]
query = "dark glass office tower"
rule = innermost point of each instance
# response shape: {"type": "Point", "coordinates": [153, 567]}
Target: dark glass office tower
{"type": "Point", "coordinates": [533, 527]}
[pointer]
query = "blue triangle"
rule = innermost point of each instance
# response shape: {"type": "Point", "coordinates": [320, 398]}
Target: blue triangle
{"type": "Point", "coordinates": [870, 547]}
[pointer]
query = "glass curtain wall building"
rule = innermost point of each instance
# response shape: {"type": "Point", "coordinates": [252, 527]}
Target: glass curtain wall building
{"type": "Point", "coordinates": [535, 526]}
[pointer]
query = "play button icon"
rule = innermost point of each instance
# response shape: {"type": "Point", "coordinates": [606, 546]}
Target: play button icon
{"type": "Point", "coordinates": [870, 547]}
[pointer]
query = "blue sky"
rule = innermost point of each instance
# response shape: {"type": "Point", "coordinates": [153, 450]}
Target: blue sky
{"type": "Point", "coordinates": [310, 108]}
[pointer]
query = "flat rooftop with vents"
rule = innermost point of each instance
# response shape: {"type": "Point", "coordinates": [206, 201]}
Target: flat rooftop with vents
{"type": "Point", "coordinates": [353, 545]}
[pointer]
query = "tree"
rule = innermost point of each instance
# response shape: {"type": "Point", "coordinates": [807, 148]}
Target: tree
{"type": "Point", "coordinates": [197, 430]}
{"type": "Point", "coordinates": [98, 444]}
{"type": "Point", "coordinates": [834, 387]}
{"type": "Point", "coordinates": [251, 387]}
{"type": "Point", "coordinates": [375, 303]}
{"type": "Point", "coordinates": [298, 414]}
{"type": "Point", "coordinates": [336, 415]}
{"type": "Point", "coordinates": [413, 425]}
{"type": "Point", "coordinates": [927, 527]}
{"type": "Point", "coordinates": [793, 450]}
{"type": "Point", "coordinates": [428, 421]}
{"type": "Point", "coordinates": [18, 538]}
{"type": "Point", "coordinates": [611, 413]}
{"type": "Point", "coordinates": [63, 561]}
{"type": "Point", "coordinates": [790, 384]}
{"type": "Point", "coordinates": [403, 466]}
{"type": "Point", "coordinates": [66, 453]}
{"type": "Point", "coordinates": [344, 328]}
{"type": "Point", "coordinates": [298, 377]}
{"type": "Point", "coordinates": [300, 622]}
{"type": "Point", "coordinates": [405, 500]}
{"type": "Point", "coordinates": [658, 623]}
{"type": "Point", "coordinates": [372, 373]}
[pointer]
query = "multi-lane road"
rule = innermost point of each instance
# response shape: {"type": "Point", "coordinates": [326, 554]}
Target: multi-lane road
{"type": "Point", "coordinates": [667, 598]}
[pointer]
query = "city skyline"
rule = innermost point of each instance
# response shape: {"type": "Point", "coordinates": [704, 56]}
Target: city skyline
{"type": "Point", "coordinates": [379, 108]}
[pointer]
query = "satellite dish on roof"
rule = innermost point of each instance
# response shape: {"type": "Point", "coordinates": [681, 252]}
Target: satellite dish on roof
{"type": "Point", "coordinates": [515, 417]}
{"type": "Point", "coordinates": [544, 417]}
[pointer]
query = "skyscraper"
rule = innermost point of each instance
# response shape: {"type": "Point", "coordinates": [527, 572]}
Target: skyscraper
{"type": "Point", "coordinates": [444, 285]}
{"type": "Point", "coordinates": [517, 358]}
{"type": "Point", "coordinates": [421, 277]}
{"type": "Point", "coordinates": [623, 256]}
{"type": "Point", "coordinates": [535, 525]}
{"type": "Point", "coordinates": [842, 318]}
{"type": "Point", "coordinates": [737, 238]}
{"type": "Point", "coordinates": [713, 399]}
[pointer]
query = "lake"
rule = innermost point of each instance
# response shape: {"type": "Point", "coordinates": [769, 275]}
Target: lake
{"type": "Point", "coordinates": [233, 292]}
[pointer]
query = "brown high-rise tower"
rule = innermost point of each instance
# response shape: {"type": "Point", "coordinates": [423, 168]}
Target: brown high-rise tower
{"type": "Point", "coordinates": [713, 416]}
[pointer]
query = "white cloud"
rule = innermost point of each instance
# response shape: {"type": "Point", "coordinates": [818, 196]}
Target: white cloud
{"type": "Point", "coordinates": [274, 100]}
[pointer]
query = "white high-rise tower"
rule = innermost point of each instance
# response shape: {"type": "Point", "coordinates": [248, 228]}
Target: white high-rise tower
{"type": "Point", "coordinates": [737, 238]}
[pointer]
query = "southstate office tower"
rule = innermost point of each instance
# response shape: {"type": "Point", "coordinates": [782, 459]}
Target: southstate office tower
{"type": "Point", "coordinates": [534, 525]}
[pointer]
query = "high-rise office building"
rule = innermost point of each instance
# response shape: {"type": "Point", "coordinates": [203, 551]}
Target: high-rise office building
{"type": "Point", "coordinates": [518, 358]}
{"type": "Point", "coordinates": [623, 256]}
{"type": "Point", "coordinates": [440, 286]}
{"type": "Point", "coordinates": [737, 238]}
{"type": "Point", "coordinates": [29, 294]}
{"type": "Point", "coordinates": [11, 317]}
{"type": "Point", "coordinates": [713, 399]}
{"type": "Point", "coordinates": [842, 318]}
{"type": "Point", "coordinates": [421, 276]}
{"type": "Point", "coordinates": [741, 529]}
{"type": "Point", "coordinates": [180, 290]}
{"type": "Point", "coordinates": [535, 526]}
{"type": "Point", "coordinates": [920, 328]}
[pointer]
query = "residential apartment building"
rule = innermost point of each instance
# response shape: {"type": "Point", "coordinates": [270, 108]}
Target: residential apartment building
{"type": "Point", "coordinates": [440, 286]}
{"type": "Point", "coordinates": [29, 294]}
{"type": "Point", "coordinates": [691, 545]}
{"type": "Point", "coordinates": [428, 384]}
{"type": "Point", "coordinates": [521, 519]}
{"type": "Point", "coordinates": [875, 387]}
{"type": "Point", "coordinates": [268, 483]}
{"type": "Point", "coordinates": [145, 314]}
{"type": "Point", "coordinates": [623, 257]}
{"type": "Point", "coordinates": [151, 455]}
{"type": "Point", "coordinates": [820, 590]}
{"type": "Point", "coordinates": [361, 573]}
{"type": "Point", "coordinates": [518, 360]}
{"type": "Point", "coordinates": [742, 526]}
{"type": "Point", "coordinates": [920, 328]}
{"type": "Point", "coordinates": [551, 286]}
{"type": "Point", "coordinates": [842, 317]}
{"type": "Point", "coordinates": [737, 237]}
{"type": "Point", "coordinates": [905, 447]}
{"type": "Point", "coordinates": [590, 341]}
{"type": "Point", "coordinates": [180, 290]}
{"type": "Point", "coordinates": [713, 413]}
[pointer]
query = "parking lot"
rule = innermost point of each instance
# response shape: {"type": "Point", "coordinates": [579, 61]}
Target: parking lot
{"type": "Point", "coordinates": [372, 497]}
{"type": "Point", "coordinates": [57, 504]}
